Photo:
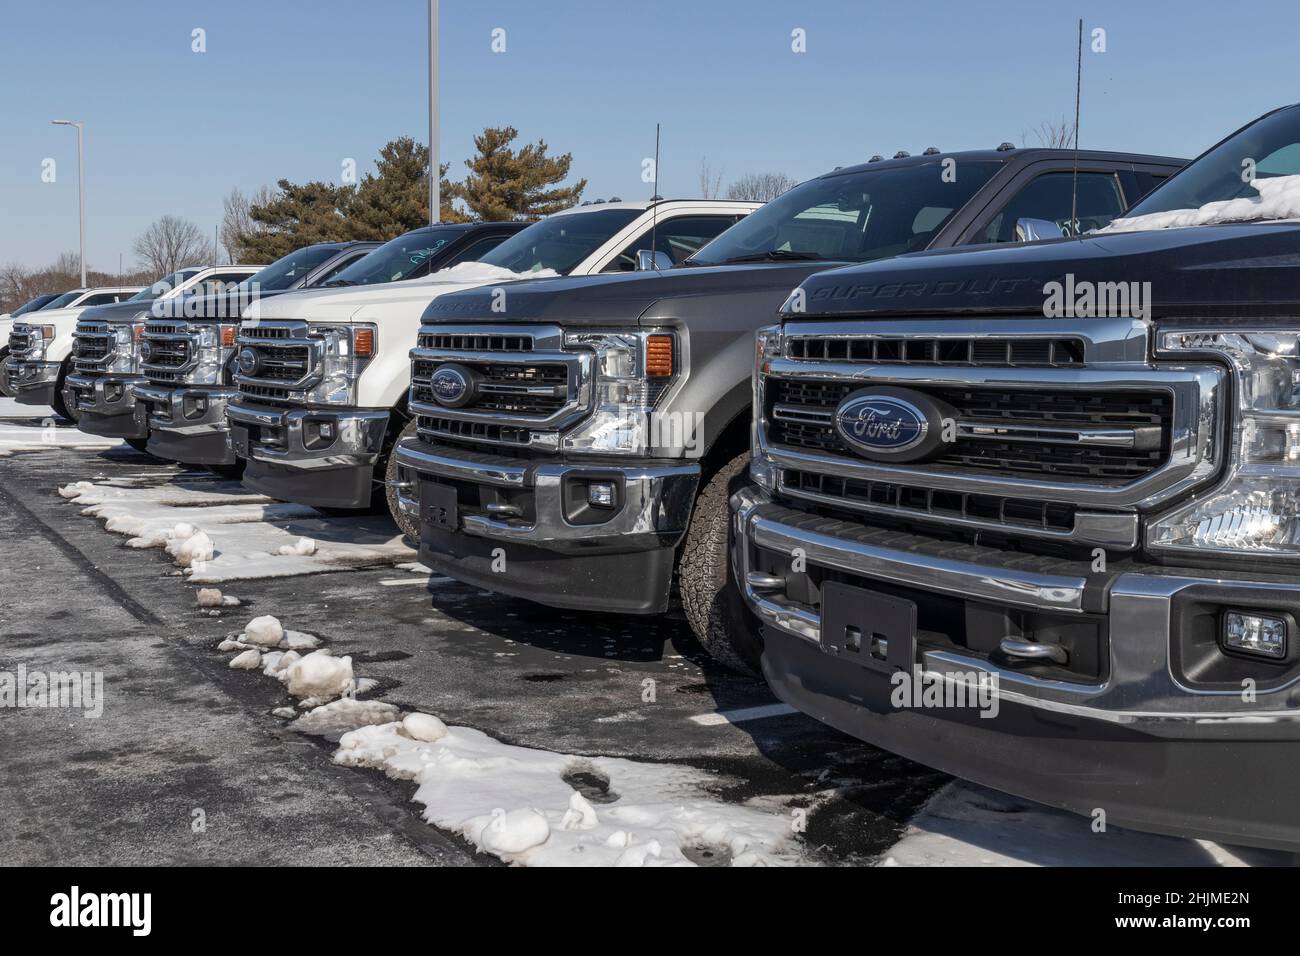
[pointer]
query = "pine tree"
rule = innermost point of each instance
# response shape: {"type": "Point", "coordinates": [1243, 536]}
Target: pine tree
{"type": "Point", "coordinates": [295, 217]}
{"type": "Point", "coordinates": [505, 184]}
{"type": "Point", "coordinates": [395, 198]}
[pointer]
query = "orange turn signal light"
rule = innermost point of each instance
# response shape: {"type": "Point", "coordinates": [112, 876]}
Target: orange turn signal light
{"type": "Point", "coordinates": [659, 356]}
{"type": "Point", "coordinates": [228, 333]}
{"type": "Point", "coordinates": [363, 344]}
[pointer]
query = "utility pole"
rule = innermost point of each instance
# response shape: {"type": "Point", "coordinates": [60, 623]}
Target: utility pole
{"type": "Point", "coordinates": [435, 199]}
{"type": "Point", "coordinates": [81, 187]}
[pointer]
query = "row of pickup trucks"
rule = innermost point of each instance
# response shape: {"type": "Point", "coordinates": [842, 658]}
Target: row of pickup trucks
{"type": "Point", "coordinates": [1027, 419]}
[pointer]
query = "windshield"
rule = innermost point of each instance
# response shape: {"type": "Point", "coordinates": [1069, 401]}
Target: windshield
{"type": "Point", "coordinates": [1267, 149]}
{"type": "Point", "coordinates": [40, 302]}
{"type": "Point", "coordinates": [559, 242]}
{"type": "Point", "coordinates": [855, 217]}
{"type": "Point", "coordinates": [66, 299]}
{"type": "Point", "coordinates": [164, 285]}
{"type": "Point", "coordinates": [405, 257]}
{"type": "Point", "coordinates": [284, 272]}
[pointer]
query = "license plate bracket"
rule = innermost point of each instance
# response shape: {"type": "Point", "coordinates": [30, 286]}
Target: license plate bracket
{"type": "Point", "coordinates": [239, 441]}
{"type": "Point", "coordinates": [439, 506]}
{"type": "Point", "coordinates": [868, 628]}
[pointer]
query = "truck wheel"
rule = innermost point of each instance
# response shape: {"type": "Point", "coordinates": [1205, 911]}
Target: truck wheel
{"type": "Point", "coordinates": [729, 631]}
{"type": "Point", "coordinates": [65, 401]}
{"type": "Point", "coordinates": [405, 523]}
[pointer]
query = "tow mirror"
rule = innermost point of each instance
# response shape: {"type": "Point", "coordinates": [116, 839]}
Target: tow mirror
{"type": "Point", "coordinates": [647, 259]}
{"type": "Point", "coordinates": [1032, 230]}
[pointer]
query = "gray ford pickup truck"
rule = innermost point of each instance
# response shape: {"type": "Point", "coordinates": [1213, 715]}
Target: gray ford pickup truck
{"type": "Point", "coordinates": [577, 438]}
{"type": "Point", "coordinates": [1029, 515]}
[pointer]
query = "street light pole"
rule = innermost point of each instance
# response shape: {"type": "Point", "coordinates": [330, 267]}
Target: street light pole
{"type": "Point", "coordinates": [81, 188]}
{"type": "Point", "coordinates": [435, 172]}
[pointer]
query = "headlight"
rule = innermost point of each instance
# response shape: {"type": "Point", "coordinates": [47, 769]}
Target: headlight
{"type": "Point", "coordinates": [767, 346]}
{"type": "Point", "coordinates": [39, 337]}
{"type": "Point", "coordinates": [345, 351]}
{"type": "Point", "coordinates": [631, 371]}
{"type": "Point", "coordinates": [125, 358]}
{"type": "Point", "coordinates": [1256, 511]}
{"type": "Point", "coordinates": [216, 348]}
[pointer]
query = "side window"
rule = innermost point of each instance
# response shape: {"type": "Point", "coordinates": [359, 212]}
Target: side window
{"type": "Point", "coordinates": [219, 283]}
{"type": "Point", "coordinates": [1146, 182]}
{"type": "Point", "coordinates": [1049, 196]}
{"type": "Point", "coordinates": [338, 267]}
{"type": "Point", "coordinates": [474, 251]}
{"type": "Point", "coordinates": [105, 298]}
{"type": "Point", "coordinates": [677, 237]}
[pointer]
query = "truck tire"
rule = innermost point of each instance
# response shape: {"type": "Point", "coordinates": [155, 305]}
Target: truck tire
{"type": "Point", "coordinates": [405, 523]}
{"type": "Point", "coordinates": [65, 402]}
{"type": "Point", "coordinates": [712, 602]}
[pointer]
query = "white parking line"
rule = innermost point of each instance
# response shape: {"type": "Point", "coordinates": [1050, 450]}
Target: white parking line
{"type": "Point", "coordinates": [400, 582]}
{"type": "Point", "coordinates": [742, 714]}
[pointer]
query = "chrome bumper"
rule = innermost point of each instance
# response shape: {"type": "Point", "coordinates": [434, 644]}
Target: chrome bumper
{"type": "Point", "coordinates": [107, 405]}
{"type": "Point", "coordinates": [30, 383]}
{"type": "Point", "coordinates": [655, 503]}
{"type": "Point", "coordinates": [1141, 690]}
{"type": "Point", "coordinates": [186, 410]}
{"type": "Point", "coordinates": [308, 439]}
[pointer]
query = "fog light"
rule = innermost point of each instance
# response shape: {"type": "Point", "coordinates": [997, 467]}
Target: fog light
{"type": "Point", "coordinates": [327, 431]}
{"type": "Point", "coordinates": [1256, 634]}
{"type": "Point", "coordinates": [600, 494]}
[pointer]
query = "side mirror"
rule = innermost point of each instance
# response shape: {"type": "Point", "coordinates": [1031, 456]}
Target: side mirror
{"type": "Point", "coordinates": [1032, 230]}
{"type": "Point", "coordinates": [647, 259]}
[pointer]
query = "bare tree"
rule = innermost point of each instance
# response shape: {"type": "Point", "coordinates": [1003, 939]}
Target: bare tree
{"type": "Point", "coordinates": [237, 222]}
{"type": "Point", "coordinates": [759, 187]}
{"type": "Point", "coordinates": [710, 181]}
{"type": "Point", "coordinates": [1052, 134]}
{"type": "Point", "coordinates": [171, 243]}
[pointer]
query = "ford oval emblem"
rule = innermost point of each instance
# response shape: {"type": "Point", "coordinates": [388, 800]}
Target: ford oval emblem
{"type": "Point", "coordinates": [451, 386]}
{"type": "Point", "coordinates": [146, 351]}
{"type": "Point", "coordinates": [884, 425]}
{"type": "Point", "coordinates": [248, 362]}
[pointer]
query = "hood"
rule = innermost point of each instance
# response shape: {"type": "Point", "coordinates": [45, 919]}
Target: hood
{"type": "Point", "coordinates": [1225, 270]}
{"type": "Point", "coordinates": [618, 298]}
{"type": "Point", "coordinates": [116, 311]}
{"type": "Point", "coordinates": [52, 316]}
{"type": "Point", "coordinates": [361, 303]}
{"type": "Point", "coordinates": [228, 306]}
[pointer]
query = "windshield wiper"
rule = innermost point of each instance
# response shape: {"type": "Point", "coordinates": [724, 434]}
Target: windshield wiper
{"type": "Point", "coordinates": [339, 282]}
{"type": "Point", "coordinates": [775, 255]}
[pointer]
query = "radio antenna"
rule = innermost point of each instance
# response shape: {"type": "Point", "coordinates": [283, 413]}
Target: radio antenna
{"type": "Point", "coordinates": [654, 200]}
{"type": "Point", "coordinates": [1078, 89]}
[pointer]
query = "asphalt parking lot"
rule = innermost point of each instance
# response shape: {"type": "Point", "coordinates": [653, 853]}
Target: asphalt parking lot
{"type": "Point", "coordinates": [189, 763]}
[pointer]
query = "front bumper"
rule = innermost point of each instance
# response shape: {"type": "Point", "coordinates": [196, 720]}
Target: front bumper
{"type": "Point", "coordinates": [187, 424]}
{"type": "Point", "coordinates": [30, 383]}
{"type": "Point", "coordinates": [325, 458]}
{"type": "Point", "coordinates": [107, 405]}
{"type": "Point", "coordinates": [1150, 740]}
{"type": "Point", "coordinates": [522, 526]}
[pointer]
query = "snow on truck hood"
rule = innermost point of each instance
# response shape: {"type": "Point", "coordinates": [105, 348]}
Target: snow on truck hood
{"type": "Point", "coordinates": [348, 302]}
{"type": "Point", "coordinates": [1278, 201]}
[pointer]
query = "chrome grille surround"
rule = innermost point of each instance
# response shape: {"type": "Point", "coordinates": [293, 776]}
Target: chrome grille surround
{"type": "Point", "coordinates": [93, 346]}
{"type": "Point", "coordinates": [175, 351]}
{"type": "Point", "coordinates": [532, 388]}
{"type": "Point", "coordinates": [291, 359]}
{"type": "Point", "coordinates": [1115, 360]}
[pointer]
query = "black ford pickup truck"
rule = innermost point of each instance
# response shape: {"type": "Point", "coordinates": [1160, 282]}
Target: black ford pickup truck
{"type": "Point", "coordinates": [577, 438]}
{"type": "Point", "coordinates": [1062, 479]}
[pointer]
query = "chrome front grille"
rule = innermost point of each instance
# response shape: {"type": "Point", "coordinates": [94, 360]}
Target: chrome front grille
{"type": "Point", "coordinates": [287, 359]}
{"type": "Point", "coordinates": [1071, 448]}
{"type": "Point", "coordinates": [526, 386]}
{"type": "Point", "coordinates": [93, 344]}
{"type": "Point", "coordinates": [172, 351]}
{"type": "Point", "coordinates": [22, 338]}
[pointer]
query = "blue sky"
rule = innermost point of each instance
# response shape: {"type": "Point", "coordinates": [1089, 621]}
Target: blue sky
{"type": "Point", "coordinates": [290, 88]}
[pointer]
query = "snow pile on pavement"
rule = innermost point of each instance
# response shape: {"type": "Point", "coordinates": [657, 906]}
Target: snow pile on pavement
{"type": "Point", "coordinates": [212, 597]}
{"type": "Point", "coordinates": [529, 807]}
{"type": "Point", "coordinates": [40, 433]}
{"type": "Point", "coordinates": [968, 825]}
{"type": "Point", "coordinates": [217, 531]}
{"type": "Point", "coordinates": [518, 803]}
{"type": "Point", "coordinates": [1279, 198]}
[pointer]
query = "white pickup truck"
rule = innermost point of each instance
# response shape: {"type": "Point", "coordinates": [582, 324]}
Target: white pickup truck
{"type": "Point", "coordinates": [323, 375]}
{"type": "Point", "coordinates": [36, 363]}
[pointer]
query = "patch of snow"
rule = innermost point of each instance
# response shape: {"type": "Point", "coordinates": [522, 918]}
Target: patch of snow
{"type": "Point", "coordinates": [967, 825]}
{"type": "Point", "coordinates": [340, 716]}
{"type": "Point", "coordinates": [39, 430]}
{"type": "Point", "coordinates": [285, 713]}
{"type": "Point", "coordinates": [320, 675]}
{"type": "Point", "coordinates": [514, 802]}
{"type": "Point", "coordinates": [1278, 199]}
{"type": "Point", "coordinates": [424, 727]}
{"type": "Point", "coordinates": [299, 641]}
{"type": "Point", "coordinates": [480, 273]}
{"type": "Point", "coordinates": [248, 660]}
{"type": "Point", "coordinates": [192, 549]}
{"type": "Point", "coordinates": [212, 597]}
{"type": "Point", "coordinates": [265, 631]}
{"type": "Point", "coordinates": [252, 530]}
